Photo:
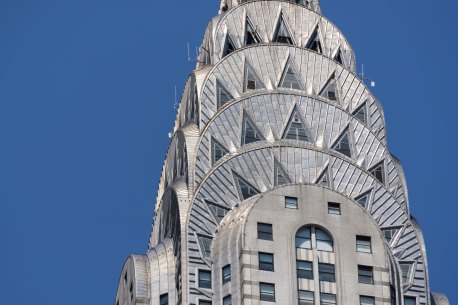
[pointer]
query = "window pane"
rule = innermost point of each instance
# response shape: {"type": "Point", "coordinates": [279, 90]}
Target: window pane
{"type": "Point", "coordinates": [267, 292]}
{"type": "Point", "coordinates": [164, 299]}
{"type": "Point", "coordinates": [323, 241]}
{"type": "Point", "coordinates": [333, 208]}
{"type": "Point", "coordinates": [304, 270]}
{"type": "Point", "coordinates": [205, 302]}
{"type": "Point", "coordinates": [410, 301]}
{"type": "Point", "coordinates": [291, 202]}
{"type": "Point", "coordinates": [227, 300]}
{"type": "Point", "coordinates": [227, 274]}
{"type": "Point", "coordinates": [266, 261]}
{"type": "Point", "coordinates": [363, 300]}
{"type": "Point", "coordinates": [363, 244]}
{"type": "Point", "coordinates": [327, 299]}
{"type": "Point", "coordinates": [306, 297]}
{"type": "Point", "coordinates": [326, 272]}
{"type": "Point", "coordinates": [365, 275]}
{"type": "Point", "coordinates": [205, 279]}
{"type": "Point", "coordinates": [304, 238]}
{"type": "Point", "coordinates": [265, 231]}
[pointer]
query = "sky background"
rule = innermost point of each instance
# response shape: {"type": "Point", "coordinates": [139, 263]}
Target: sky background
{"type": "Point", "coordinates": [86, 103]}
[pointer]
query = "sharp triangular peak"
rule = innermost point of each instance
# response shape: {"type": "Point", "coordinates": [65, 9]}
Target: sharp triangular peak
{"type": "Point", "coordinates": [281, 176]}
{"type": "Point", "coordinates": [361, 113]}
{"type": "Point", "coordinates": [218, 150]}
{"type": "Point", "coordinates": [289, 78]}
{"type": "Point", "coordinates": [314, 42]}
{"type": "Point", "coordinates": [250, 133]}
{"type": "Point", "coordinates": [229, 45]}
{"type": "Point", "coordinates": [218, 210]}
{"type": "Point", "coordinates": [295, 129]}
{"type": "Point", "coordinates": [282, 33]}
{"type": "Point", "coordinates": [378, 171]}
{"type": "Point", "coordinates": [222, 94]}
{"type": "Point", "coordinates": [329, 90]}
{"type": "Point", "coordinates": [244, 188]}
{"type": "Point", "coordinates": [391, 234]}
{"type": "Point", "coordinates": [343, 144]}
{"type": "Point", "coordinates": [338, 56]}
{"type": "Point", "coordinates": [364, 199]}
{"type": "Point", "coordinates": [324, 179]}
{"type": "Point", "coordinates": [251, 80]}
{"type": "Point", "coordinates": [251, 35]}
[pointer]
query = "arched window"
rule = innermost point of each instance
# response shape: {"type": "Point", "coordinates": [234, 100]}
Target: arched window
{"type": "Point", "coordinates": [311, 237]}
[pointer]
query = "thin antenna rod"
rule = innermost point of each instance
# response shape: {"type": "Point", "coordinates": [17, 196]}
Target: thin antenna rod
{"type": "Point", "coordinates": [189, 54]}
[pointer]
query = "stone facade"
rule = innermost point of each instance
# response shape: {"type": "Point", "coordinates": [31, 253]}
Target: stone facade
{"type": "Point", "coordinates": [278, 186]}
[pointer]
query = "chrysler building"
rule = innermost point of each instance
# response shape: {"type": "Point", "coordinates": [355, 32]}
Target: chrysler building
{"type": "Point", "coordinates": [278, 186]}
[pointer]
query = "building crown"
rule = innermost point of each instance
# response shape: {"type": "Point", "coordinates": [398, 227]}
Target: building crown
{"type": "Point", "coordinates": [228, 4]}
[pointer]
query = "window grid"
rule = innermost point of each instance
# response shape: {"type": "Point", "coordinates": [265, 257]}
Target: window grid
{"type": "Point", "coordinates": [266, 261]}
{"type": "Point", "coordinates": [326, 272]}
{"type": "Point", "coordinates": [334, 208]}
{"type": "Point", "coordinates": [265, 231]}
{"type": "Point", "coordinates": [291, 203]}
{"type": "Point", "coordinates": [226, 274]}
{"type": "Point", "coordinates": [205, 279]}
{"type": "Point", "coordinates": [365, 300]}
{"type": "Point", "coordinates": [267, 292]}
{"type": "Point", "coordinates": [304, 269]}
{"type": "Point", "coordinates": [363, 244]}
{"type": "Point", "coordinates": [365, 275]}
{"type": "Point", "coordinates": [306, 297]}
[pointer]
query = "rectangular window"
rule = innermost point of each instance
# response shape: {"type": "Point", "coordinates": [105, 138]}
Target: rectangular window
{"type": "Point", "coordinates": [304, 269]}
{"type": "Point", "coordinates": [326, 272]}
{"type": "Point", "coordinates": [364, 300]}
{"type": "Point", "coordinates": [265, 231]}
{"type": "Point", "coordinates": [266, 261]}
{"type": "Point", "coordinates": [327, 299]}
{"type": "Point", "coordinates": [267, 292]}
{"type": "Point", "coordinates": [227, 300]}
{"type": "Point", "coordinates": [333, 208]}
{"type": "Point", "coordinates": [306, 297]}
{"type": "Point", "coordinates": [365, 275]}
{"type": "Point", "coordinates": [290, 202]}
{"type": "Point", "coordinates": [410, 301]}
{"type": "Point", "coordinates": [164, 299]}
{"type": "Point", "coordinates": [205, 302]}
{"type": "Point", "coordinates": [205, 279]}
{"type": "Point", "coordinates": [363, 244]}
{"type": "Point", "coordinates": [226, 274]}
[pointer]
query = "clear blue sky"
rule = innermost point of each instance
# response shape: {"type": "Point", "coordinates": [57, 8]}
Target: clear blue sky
{"type": "Point", "coordinates": [86, 102]}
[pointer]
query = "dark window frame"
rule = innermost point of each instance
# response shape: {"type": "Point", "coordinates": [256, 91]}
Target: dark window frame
{"type": "Point", "coordinates": [226, 276]}
{"type": "Point", "coordinates": [267, 297]}
{"type": "Point", "coordinates": [206, 284]}
{"type": "Point", "coordinates": [264, 264]}
{"type": "Point", "coordinates": [265, 234]}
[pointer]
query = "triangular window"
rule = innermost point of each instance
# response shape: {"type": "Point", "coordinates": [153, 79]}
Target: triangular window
{"type": "Point", "coordinates": [390, 234]}
{"type": "Point", "coordinates": [250, 133]}
{"type": "Point", "coordinates": [363, 199]}
{"type": "Point", "coordinates": [223, 96]}
{"type": "Point", "coordinates": [246, 190]}
{"type": "Point", "coordinates": [282, 34]}
{"type": "Point", "coordinates": [217, 210]}
{"type": "Point", "coordinates": [205, 243]}
{"type": "Point", "coordinates": [324, 180]}
{"type": "Point", "coordinates": [378, 172]}
{"type": "Point", "coordinates": [281, 177]}
{"type": "Point", "coordinates": [252, 80]}
{"type": "Point", "coordinates": [314, 42]}
{"type": "Point", "coordinates": [338, 57]}
{"type": "Point", "coordinates": [295, 130]}
{"type": "Point", "coordinates": [218, 151]}
{"type": "Point", "coordinates": [406, 271]}
{"type": "Point", "coordinates": [361, 114]}
{"type": "Point", "coordinates": [229, 46]}
{"type": "Point", "coordinates": [329, 91]}
{"type": "Point", "coordinates": [289, 78]}
{"type": "Point", "coordinates": [342, 145]}
{"type": "Point", "coordinates": [251, 36]}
